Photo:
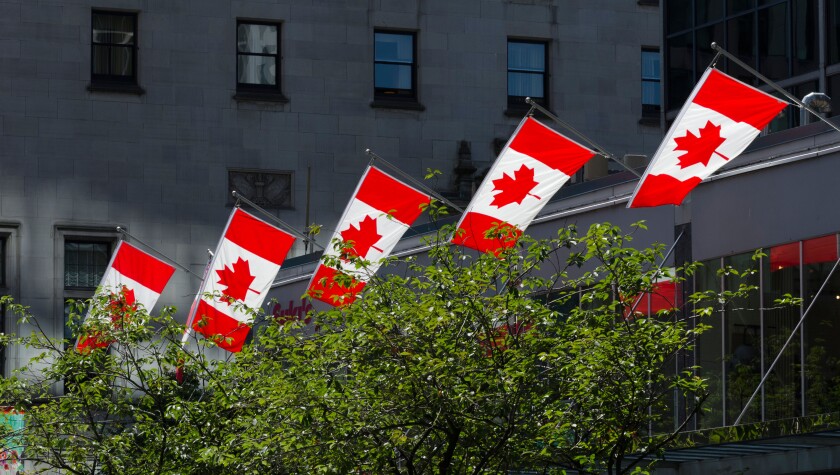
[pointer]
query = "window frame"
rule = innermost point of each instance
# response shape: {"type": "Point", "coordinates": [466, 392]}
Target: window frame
{"type": "Point", "coordinates": [518, 102]}
{"type": "Point", "coordinates": [270, 92]}
{"type": "Point", "coordinates": [395, 97]}
{"type": "Point", "coordinates": [62, 294]}
{"type": "Point", "coordinates": [115, 82]}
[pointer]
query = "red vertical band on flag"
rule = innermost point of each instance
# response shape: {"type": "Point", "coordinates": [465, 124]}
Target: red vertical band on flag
{"type": "Point", "coordinates": [259, 237]}
{"type": "Point", "coordinates": [554, 150]}
{"type": "Point", "coordinates": [485, 233]}
{"type": "Point", "coordinates": [392, 196]}
{"type": "Point", "coordinates": [228, 333]}
{"type": "Point", "coordinates": [737, 100]}
{"type": "Point", "coordinates": [326, 289]}
{"type": "Point", "coordinates": [146, 270]}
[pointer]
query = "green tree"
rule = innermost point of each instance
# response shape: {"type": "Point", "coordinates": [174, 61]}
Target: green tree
{"type": "Point", "coordinates": [451, 363]}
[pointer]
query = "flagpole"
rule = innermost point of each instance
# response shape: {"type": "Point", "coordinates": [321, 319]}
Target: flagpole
{"type": "Point", "coordinates": [408, 177]}
{"type": "Point", "coordinates": [277, 220]}
{"type": "Point", "coordinates": [598, 148]}
{"type": "Point", "coordinates": [784, 347]}
{"type": "Point", "coordinates": [123, 231]}
{"type": "Point", "coordinates": [772, 84]}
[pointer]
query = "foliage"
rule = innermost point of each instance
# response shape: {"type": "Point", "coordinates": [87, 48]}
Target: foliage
{"type": "Point", "coordinates": [451, 363]}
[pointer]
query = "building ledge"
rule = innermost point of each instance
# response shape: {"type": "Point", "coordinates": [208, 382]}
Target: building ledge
{"type": "Point", "coordinates": [118, 88]}
{"type": "Point", "coordinates": [411, 105]}
{"type": "Point", "coordinates": [250, 96]}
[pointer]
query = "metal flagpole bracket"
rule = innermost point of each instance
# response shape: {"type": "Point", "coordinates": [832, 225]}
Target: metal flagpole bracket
{"type": "Point", "coordinates": [408, 177]}
{"type": "Point", "coordinates": [125, 233]}
{"type": "Point", "coordinates": [591, 143]}
{"type": "Point", "coordinates": [772, 84]}
{"type": "Point", "coordinates": [306, 238]}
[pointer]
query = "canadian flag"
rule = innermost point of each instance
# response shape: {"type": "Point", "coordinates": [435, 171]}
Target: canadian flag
{"type": "Point", "coordinates": [380, 212]}
{"type": "Point", "coordinates": [534, 164]}
{"type": "Point", "coordinates": [133, 278]}
{"type": "Point", "coordinates": [239, 277]}
{"type": "Point", "coordinates": [720, 119]}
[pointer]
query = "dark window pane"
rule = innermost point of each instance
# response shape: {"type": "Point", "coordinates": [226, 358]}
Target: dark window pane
{"type": "Point", "coordinates": [651, 74]}
{"type": "Point", "coordinates": [113, 46]}
{"type": "Point", "coordinates": [805, 31]}
{"type": "Point", "coordinates": [680, 69]}
{"type": "Point", "coordinates": [709, 352]}
{"type": "Point", "coordinates": [392, 76]}
{"type": "Point", "coordinates": [781, 276]}
{"type": "Point", "coordinates": [525, 84]}
{"type": "Point", "coordinates": [257, 70]}
{"type": "Point", "coordinates": [743, 342]}
{"type": "Point", "coordinates": [834, 91]}
{"type": "Point", "coordinates": [773, 41]}
{"type": "Point", "coordinates": [394, 67]}
{"type": "Point", "coordinates": [526, 56]}
{"type": "Point", "coordinates": [678, 15]}
{"type": "Point", "coordinates": [708, 10]}
{"type": "Point", "coordinates": [255, 38]}
{"type": "Point", "coordinates": [741, 42]}
{"type": "Point", "coordinates": [392, 47]}
{"type": "Point", "coordinates": [822, 327]}
{"type": "Point", "coordinates": [526, 71]}
{"type": "Point", "coordinates": [736, 6]}
{"type": "Point", "coordinates": [705, 53]}
{"type": "Point", "coordinates": [85, 263]}
{"type": "Point", "coordinates": [833, 30]}
{"type": "Point", "coordinates": [113, 28]}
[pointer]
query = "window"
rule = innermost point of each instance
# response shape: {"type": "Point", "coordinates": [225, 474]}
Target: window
{"type": "Point", "coordinates": [527, 73]}
{"type": "Point", "coordinates": [394, 66]}
{"type": "Point", "coordinates": [651, 100]}
{"type": "Point", "coordinates": [113, 49]}
{"type": "Point", "coordinates": [85, 262]}
{"type": "Point", "coordinates": [257, 57]}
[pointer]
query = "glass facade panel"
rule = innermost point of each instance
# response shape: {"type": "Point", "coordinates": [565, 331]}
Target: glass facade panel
{"type": "Point", "coordinates": [705, 54]}
{"type": "Point", "coordinates": [735, 6]}
{"type": "Point", "coordinates": [678, 13]}
{"type": "Point", "coordinates": [743, 340]}
{"type": "Point", "coordinates": [832, 25]}
{"type": "Point", "coordinates": [708, 10]}
{"type": "Point", "coordinates": [781, 277]}
{"type": "Point", "coordinates": [680, 54]}
{"type": "Point", "coordinates": [773, 42]}
{"type": "Point", "coordinates": [709, 348]}
{"type": "Point", "coordinates": [821, 326]}
{"type": "Point", "coordinates": [805, 45]}
{"type": "Point", "coordinates": [741, 42]}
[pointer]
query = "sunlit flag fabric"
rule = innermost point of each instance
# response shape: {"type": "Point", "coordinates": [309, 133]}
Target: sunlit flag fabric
{"type": "Point", "coordinates": [534, 164]}
{"type": "Point", "coordinates": [720, 119]}
{"type": "Point", "coordinates": [380, 212]}
{"type": "Point", "coordinates": [238, 279]}
{"type": "Point", "coordinates": [133, 278]}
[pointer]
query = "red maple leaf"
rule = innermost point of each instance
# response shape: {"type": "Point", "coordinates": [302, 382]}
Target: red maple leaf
{"type": "Point", "coordinates": [238, 280]}
{"type": "Point", "coordinates": [699, 148]}
{"type": "Point", "coordinates": [514, 189]}
{"type": "Point", "coordinates": [361, 239]}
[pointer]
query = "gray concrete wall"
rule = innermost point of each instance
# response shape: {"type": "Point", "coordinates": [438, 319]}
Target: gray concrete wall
{"type": "Point", "coordinates": [74, 161]}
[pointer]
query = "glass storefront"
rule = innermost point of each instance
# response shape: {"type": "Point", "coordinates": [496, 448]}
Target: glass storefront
{"type": "Point", "coordinates": [747, 334]}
